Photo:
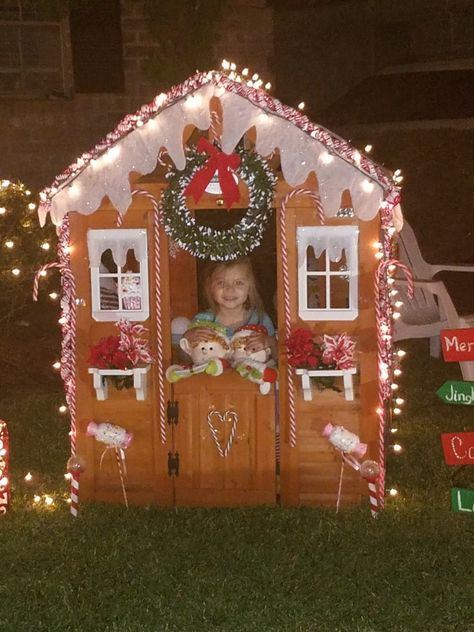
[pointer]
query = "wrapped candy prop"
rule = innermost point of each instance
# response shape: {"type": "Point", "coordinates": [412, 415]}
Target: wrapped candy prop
{"type": "Point", "coordinates": [344, 440]}
{"type": "Point", "coordinates": [75, 466]}
{"type": "Point", "coordinates": [115, 438]}
{"type": "Point", "coordinates": [369, 470]}
{"type": "Point", "coordinates": [349, 445]}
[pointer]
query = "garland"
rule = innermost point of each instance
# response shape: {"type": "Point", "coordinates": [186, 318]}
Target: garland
{"type": "Point", "coordinates": [205, 242]}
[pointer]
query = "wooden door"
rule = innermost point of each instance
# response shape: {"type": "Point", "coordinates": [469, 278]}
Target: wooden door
{"type": "Point", "coordinates": [245, 472]}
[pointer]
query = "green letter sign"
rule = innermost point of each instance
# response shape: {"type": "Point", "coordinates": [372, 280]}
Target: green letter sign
{"type": "Point", "coordinates": [462, 500]}
{"type": "Point", "coordinates": [457, 393]}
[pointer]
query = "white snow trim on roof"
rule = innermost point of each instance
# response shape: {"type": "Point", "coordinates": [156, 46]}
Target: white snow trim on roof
{"type": "Point", "coordinates": [300, 155]}
{"type": "Point", "coordinates": [138, 151]}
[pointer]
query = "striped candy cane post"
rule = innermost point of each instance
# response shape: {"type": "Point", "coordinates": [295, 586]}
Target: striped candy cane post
{"type": "Point", "coordinates": [286, 295]}
{"type": "Point", "coordinates": [158, 313]}
{"type": "Point", "coordinates": [373, 497]}
{"type": "Point", "coordinates": [384, 353]}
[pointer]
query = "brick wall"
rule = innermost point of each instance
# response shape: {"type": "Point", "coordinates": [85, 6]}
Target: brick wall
{"type": "Point", "coordinates": [40, 137]}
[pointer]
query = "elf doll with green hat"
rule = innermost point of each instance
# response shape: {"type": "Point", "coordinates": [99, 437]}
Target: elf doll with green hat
{"type": "Point", "coordinates": [210, 355]}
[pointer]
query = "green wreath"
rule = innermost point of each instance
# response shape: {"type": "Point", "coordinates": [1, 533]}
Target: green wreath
{"type": "Point", "coordinates": [205, 242]}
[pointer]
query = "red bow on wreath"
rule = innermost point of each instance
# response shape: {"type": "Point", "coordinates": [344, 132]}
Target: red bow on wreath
{"type": "Point", "coordinates": [220, 162]}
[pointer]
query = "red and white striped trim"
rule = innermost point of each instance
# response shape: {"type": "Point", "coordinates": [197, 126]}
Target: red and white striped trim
{"type": "Point", "coordinates": [160, 371]}
{"type": "Point", "coordinates": [286, 296]}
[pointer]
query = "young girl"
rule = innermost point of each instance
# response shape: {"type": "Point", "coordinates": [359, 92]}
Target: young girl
{"type": "Point", "coordinates": [231, 293]}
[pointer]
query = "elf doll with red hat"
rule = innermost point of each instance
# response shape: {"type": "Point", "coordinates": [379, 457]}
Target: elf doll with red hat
{"type": "Point", "coordinates": [253, 363]}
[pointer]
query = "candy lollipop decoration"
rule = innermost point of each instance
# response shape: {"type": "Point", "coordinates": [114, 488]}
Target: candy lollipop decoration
{"type": "Point", "coordinates": [116, 438]}
{"type": "Point", "coordinates": [369, 470]}
{"type": "Point", "coordinates": [348, 444]}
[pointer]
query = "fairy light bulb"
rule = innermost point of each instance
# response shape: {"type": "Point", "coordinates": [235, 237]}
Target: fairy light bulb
{"type": "Point", "coordinates": [62, 320]}
{"type": "Point", "coordinates": [398, 303]}
{"type": "Point", "coordinates": [401, 353]}
{"type": "Point", "coordinates": [397, 411]}
{"type": "Point", "coordinates": [53, 296]}
{"type": "Point", "coordinates": [9, 244]}
{"type": "Point", "coordinates": [57, 366]}
{"type": "Point", "coordinates": [31, 206]}
{"type": "Point", "coordinates": [368, 149]}
{"type": "Point", "coordinates": [36, 498]}
{"type": "Point", "coordinates": [301, 105]}
{"type": "Point", "coordinates": [255, 76]}
{"type": "Point", "coordinates": [268, 85]}
{"type": "Point", "coordinates": [233, 66]}
{"type": "Point", "coordinates": [3, 210]}
{"type": "Point", "coordinates": [393, 492]}
{"type": "Point", "coordinates": [394, 387]}
{"type": "Point", "coordinates": [225, 64]}
{"type": "Point", "coordinates": [393, 430]}
{"type": "Point", "coordinates": [399, 401]}
{"type": "Point", "coordinates": [378, 255]}
{"type": "Point", "coordinates": [28, 477]}
{"type": "Point", "coordinates": [43, 273]}
{"type": "Point", "coordinates": [6, 184]}
{"type": "Point", "coordinates": [397, 372]}
{"type": "Point", "coordinates": [62, 409]}
{"type": "Point", "coordinates": [45, 245]}
{"type": "Point", "coordinates": [16, 272]}
{"type": "Point", "coordinates": [68, 476]}
{"type": "Point", "coordinates": [48, 500]}
{"type": "Point", "coordinates": [397, 448]}
{"type": "Point", "coordinates": [245, 72]}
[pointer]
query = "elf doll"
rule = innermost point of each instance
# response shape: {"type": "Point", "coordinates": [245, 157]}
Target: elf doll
{"type": "Point", "coordinates": [253, 363]}
{"type": "Point", "coordinates": [209, 355]}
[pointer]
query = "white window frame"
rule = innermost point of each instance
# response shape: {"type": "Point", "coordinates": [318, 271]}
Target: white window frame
{"type": "Point", "coordinates": [350, 235]}
{"type": "Point", "coordinates": [126, 236]}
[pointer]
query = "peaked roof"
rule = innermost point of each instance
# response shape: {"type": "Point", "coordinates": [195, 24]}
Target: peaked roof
{"type": "Point", "coordinates": [137, 140]}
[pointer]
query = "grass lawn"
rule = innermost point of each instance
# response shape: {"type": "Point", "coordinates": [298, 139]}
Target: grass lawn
{"type": "Point", "coordinates": [251, 570]}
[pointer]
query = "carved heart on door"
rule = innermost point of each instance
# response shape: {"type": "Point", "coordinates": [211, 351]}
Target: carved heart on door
{"type": "Point", "coordinates": [228, 416]}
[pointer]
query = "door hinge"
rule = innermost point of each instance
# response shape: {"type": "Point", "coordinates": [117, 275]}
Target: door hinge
{"type": "Point", "coordinates": [172, 411]}
{"type": "Point", "coordinates": [173, 464]}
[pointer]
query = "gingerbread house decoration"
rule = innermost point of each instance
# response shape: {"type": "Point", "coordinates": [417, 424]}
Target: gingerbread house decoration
{"type": "Point", "coordinates": [218, 441]}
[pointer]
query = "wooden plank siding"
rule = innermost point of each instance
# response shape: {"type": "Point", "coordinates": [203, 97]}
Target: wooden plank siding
{"type": "Point", "coordinates": [310, 471]}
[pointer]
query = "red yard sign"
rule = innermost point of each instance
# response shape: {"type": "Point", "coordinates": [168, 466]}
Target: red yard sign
{"type": "Point", "coordinates": [457, 344]}
{"type": "Point", "coordinates": [458, 448]}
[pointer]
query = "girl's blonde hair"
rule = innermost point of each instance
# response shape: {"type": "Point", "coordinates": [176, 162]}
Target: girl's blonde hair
{"type": "Point", "coordinates": [253, 302]}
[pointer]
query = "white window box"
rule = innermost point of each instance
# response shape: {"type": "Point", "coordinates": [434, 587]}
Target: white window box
{"type": "Point", "coordinates": [139, 380]}
{"type": "Point", "coordinates": [346, 375]}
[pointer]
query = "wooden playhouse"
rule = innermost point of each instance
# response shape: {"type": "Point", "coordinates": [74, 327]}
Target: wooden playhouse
{"type": "Point", "coordinates": [217, 441]}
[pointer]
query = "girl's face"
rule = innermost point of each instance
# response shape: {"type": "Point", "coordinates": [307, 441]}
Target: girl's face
{"type": "Point", "coordinates": [230, 287]}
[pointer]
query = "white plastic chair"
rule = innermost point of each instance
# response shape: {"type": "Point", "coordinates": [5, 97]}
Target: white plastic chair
{"type": "Point", "coordinates": [431, 308]}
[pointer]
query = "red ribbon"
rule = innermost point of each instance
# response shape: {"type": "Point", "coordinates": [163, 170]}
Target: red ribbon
{"type": "Point", "coordinates": [220, 162]}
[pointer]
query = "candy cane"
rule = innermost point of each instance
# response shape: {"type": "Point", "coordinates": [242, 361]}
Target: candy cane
{"type": "Point", "coordinates": [384, 348]}
{"type": "Point", "coordinates": [286, 296]}
{"type": "Point", "coordinates": [158, 313]}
